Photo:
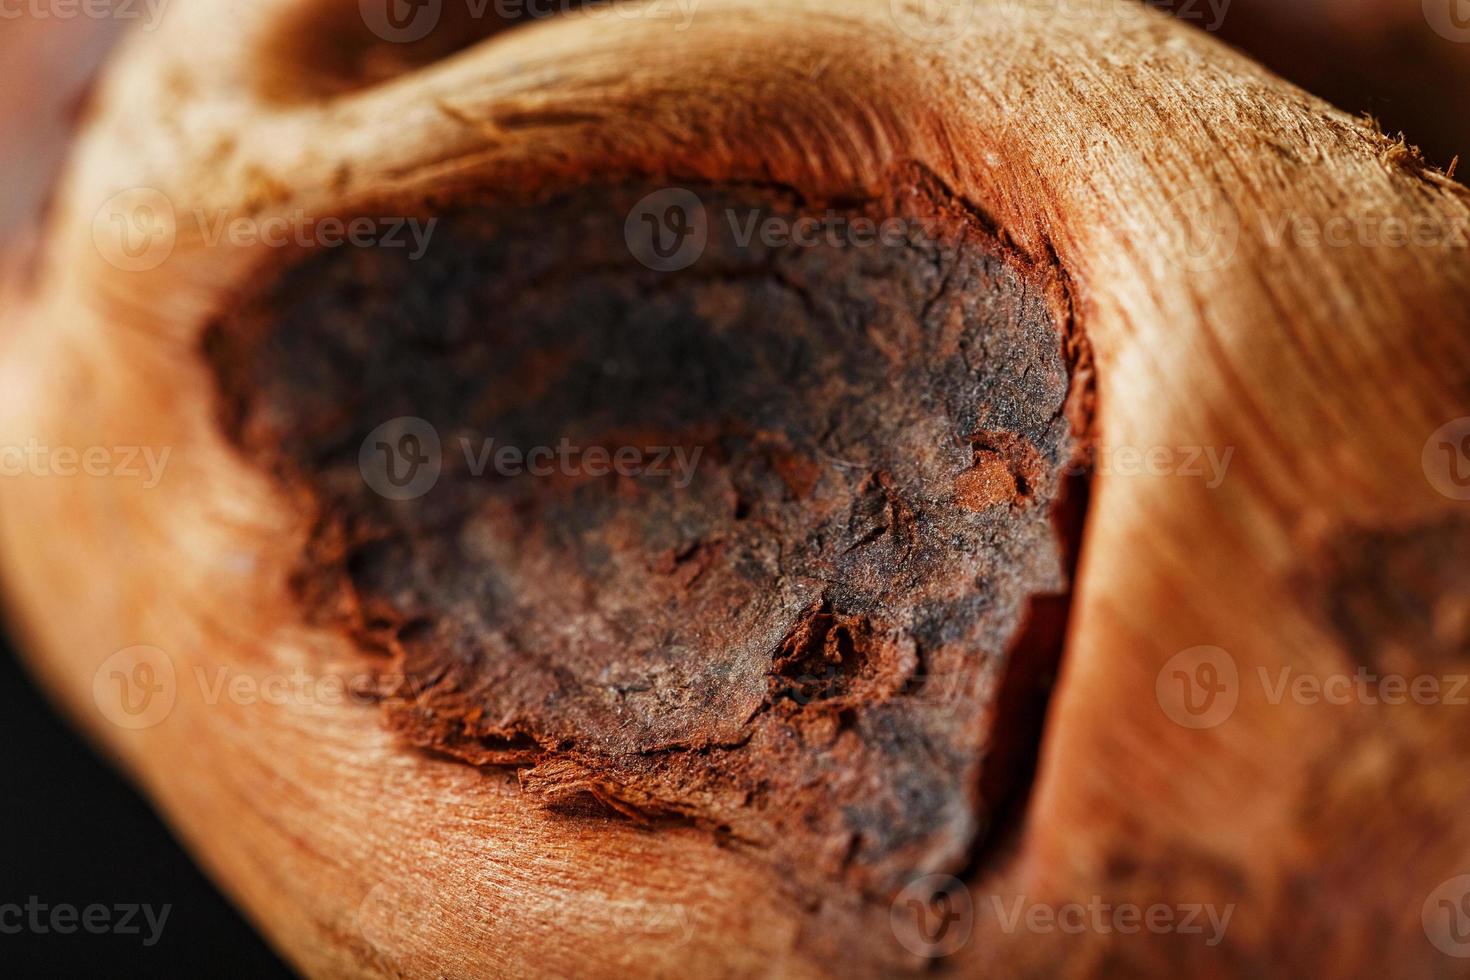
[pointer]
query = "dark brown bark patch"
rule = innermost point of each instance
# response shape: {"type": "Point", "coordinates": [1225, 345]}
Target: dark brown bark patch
{"type": "Point", "coordinates": [800, 645]}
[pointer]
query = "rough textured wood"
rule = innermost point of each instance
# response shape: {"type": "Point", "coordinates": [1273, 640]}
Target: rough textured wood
{"type": "Point", "coordinates": [790, 631]}
{"type": "Point", "coordinates": [1087, 140]}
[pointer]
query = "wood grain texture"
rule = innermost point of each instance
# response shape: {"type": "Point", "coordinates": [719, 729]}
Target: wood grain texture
{"type": "Point", "coordinates": [1148, 165]}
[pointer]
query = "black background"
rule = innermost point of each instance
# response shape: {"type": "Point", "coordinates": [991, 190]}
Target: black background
{"type": "Point", "coordinates": [74, 832]}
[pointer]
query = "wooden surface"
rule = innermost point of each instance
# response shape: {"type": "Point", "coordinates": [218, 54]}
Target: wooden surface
{"type": "Point", "coordinates": [1096, 137]}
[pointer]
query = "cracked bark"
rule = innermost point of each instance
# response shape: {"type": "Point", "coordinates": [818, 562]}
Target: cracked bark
{"type": "Point", "coordinates": [801, 649]}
